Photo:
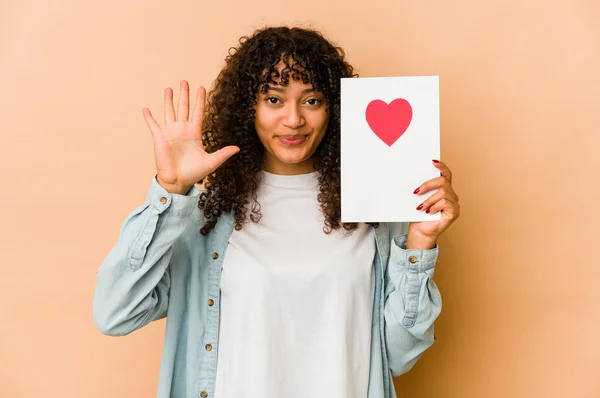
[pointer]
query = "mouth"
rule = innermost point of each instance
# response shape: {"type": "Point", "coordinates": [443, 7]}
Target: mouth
{"type": "Point", "coordinates": [292, 140]}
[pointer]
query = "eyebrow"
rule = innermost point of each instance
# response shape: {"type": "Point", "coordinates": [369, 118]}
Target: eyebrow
{"type": "Point", "coordinates": [282, 90]}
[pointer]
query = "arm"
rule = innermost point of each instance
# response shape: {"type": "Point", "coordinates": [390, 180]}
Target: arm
{"type": "Point", "coordinates": [132, 285]}
{"type": "Point", "coordinates": [413, 303]}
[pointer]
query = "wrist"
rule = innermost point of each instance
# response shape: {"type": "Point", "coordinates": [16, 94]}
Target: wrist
{"type": "Point", "coordinates": [173, 188]}
{"type": "Point", "coordinates": [417, 241]}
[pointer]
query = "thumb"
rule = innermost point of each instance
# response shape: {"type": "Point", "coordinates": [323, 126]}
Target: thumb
{"type": "Point", "coordinates": [219, 157]}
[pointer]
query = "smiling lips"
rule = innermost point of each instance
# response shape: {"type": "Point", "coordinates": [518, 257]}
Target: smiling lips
{"type": "Point", "coordinates": [292, 140]}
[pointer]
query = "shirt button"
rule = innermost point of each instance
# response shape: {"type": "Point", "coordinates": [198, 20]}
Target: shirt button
{"type": "Point", "coordinates": [215, 255]}
{"type": "Point", "coordinates": [211, 302]}
{"type": "Point", "coordinates": [163, 200]}
{"type": "Point", "coordinates": [412, 259]}
{"type": "Point", "coordinates": [204, 394]}
{"type": "Point", "coordinates": [208, 347]}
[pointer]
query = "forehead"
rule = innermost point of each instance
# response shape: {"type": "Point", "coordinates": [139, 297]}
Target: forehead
{"type": "Point", "coordinates": [292, 86]}
{"type": "Point", "coordinates": [285, 72]}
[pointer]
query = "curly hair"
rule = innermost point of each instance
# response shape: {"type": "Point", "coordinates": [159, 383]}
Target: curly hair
{"type": "Point", "coordinates": [308, 57]}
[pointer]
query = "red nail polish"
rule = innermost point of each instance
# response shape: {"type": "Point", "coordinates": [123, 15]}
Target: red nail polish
{"type": "Point", "coordinates": [435, 161]}
{"type": "Point", "coordinates": [420, 207]}
{"type": "Point", "coordinates": [417, 190]}
{"type": "Point", "coordinates": [427, 211]}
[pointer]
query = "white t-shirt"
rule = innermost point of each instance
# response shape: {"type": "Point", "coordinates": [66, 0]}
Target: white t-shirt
{"type": "Point", "coordinates": [296, 303]}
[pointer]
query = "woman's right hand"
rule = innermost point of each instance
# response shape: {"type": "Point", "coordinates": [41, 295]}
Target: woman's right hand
{"type": "Point", "coordinates": [179, 154]}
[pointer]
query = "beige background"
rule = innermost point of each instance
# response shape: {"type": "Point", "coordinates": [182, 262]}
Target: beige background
{"type": "Point", "coordinates": [520, 129]}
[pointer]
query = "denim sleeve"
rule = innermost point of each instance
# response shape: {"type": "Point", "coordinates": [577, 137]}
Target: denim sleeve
{"type": "Point", "coordinates": [132, 283]}
{"type": "Point", "coordinates": [413, 302]}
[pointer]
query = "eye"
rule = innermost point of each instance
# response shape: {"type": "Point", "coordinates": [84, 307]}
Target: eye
{"type": "Point", "coordinates": [314, 101]}
{"type": "Point", "coordinates": [272, 100]}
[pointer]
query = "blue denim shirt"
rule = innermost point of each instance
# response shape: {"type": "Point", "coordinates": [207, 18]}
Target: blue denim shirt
{"type": "Point", "coordinates": [162, 266]}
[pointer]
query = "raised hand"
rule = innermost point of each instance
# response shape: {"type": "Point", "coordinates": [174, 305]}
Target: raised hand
{"type": "Point", "coordinates": [181, 160]}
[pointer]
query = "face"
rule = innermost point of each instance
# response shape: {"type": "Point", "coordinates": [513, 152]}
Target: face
{"type": "Point", "coordinates": [290, 122]}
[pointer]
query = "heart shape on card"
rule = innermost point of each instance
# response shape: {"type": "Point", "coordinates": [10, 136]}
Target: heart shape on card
{"type": "Point", "coordinates": [389, 121]}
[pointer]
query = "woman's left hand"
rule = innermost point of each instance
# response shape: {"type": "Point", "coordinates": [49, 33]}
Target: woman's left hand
{"type": "Point", "coordinates": [423, 235]}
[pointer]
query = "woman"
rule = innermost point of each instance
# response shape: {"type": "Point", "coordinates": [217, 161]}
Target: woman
{"type": "Point", "coordinates": [266, 292]}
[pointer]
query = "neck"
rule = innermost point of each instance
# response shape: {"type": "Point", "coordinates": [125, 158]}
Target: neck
{"type": "Point", "coordinates": [276, 167]}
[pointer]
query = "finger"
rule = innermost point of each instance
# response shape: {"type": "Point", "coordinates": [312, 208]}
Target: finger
{"type": "Point", "coordinates": [444, 169]}
{"type": "Point", "coordinates": [169, 108]}
{"type": "Point", "coordinates": [219, 157]}
{"type": "Point", "coordinates": [436, 197]}
{"type": "Point", "coordinates": [436, 183]}
{"type": "Point", "coordinates": [152, 124]}
{"type": "Point", "coordinates": [183, 106]}
{"type": "Point", "coordinates": [447, 207]}
{"type": "Point", "coordinates": [198, 113]}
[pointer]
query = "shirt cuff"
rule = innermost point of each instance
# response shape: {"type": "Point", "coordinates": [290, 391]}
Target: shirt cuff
{"type": "Point", "coordinates": [414, 260]}
{"type": "Point", "coordinates": [178, 205]}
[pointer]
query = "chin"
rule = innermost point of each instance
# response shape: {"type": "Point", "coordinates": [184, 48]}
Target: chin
{"type": "Point", "coordinates": [292, 160]}
{"type": "Point", "coordinates": [289, 157]}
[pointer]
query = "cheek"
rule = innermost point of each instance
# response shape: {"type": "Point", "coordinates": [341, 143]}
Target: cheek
{"type": "Point", "coordinates": [265, 117]}
{"type": "Point", "coordinates": [261, 123]}
{"type": "Point", "coordinates": [320, 124]}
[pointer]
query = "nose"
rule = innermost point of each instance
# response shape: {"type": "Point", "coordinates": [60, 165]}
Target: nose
{"type": "Point", "coordinates": [293, 117]}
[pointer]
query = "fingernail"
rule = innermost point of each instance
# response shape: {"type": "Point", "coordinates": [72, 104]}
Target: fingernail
{"type": "Point", "coordinates": [427, 211]}
{"type": "Point", "coordinates": [420, 207]}
{"type": "Point", "coordinates": [417, 190]}
{"type": "Point", "coordinates": [435, 161]}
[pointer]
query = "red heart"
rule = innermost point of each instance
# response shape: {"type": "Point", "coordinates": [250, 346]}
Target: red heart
{"type": "Point", "coordinates": [389, 122]}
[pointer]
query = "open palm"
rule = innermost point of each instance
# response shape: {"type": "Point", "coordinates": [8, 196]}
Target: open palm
{"type": "Point", "coordinates": [181, 160]}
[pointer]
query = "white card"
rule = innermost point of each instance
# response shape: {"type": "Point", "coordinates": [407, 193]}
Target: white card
{"type": "Point", "coordinates": [390, 134]}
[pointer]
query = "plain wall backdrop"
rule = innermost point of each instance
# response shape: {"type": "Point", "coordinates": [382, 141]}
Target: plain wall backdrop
{"type": "Point", "coordinates": [520, 125]}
